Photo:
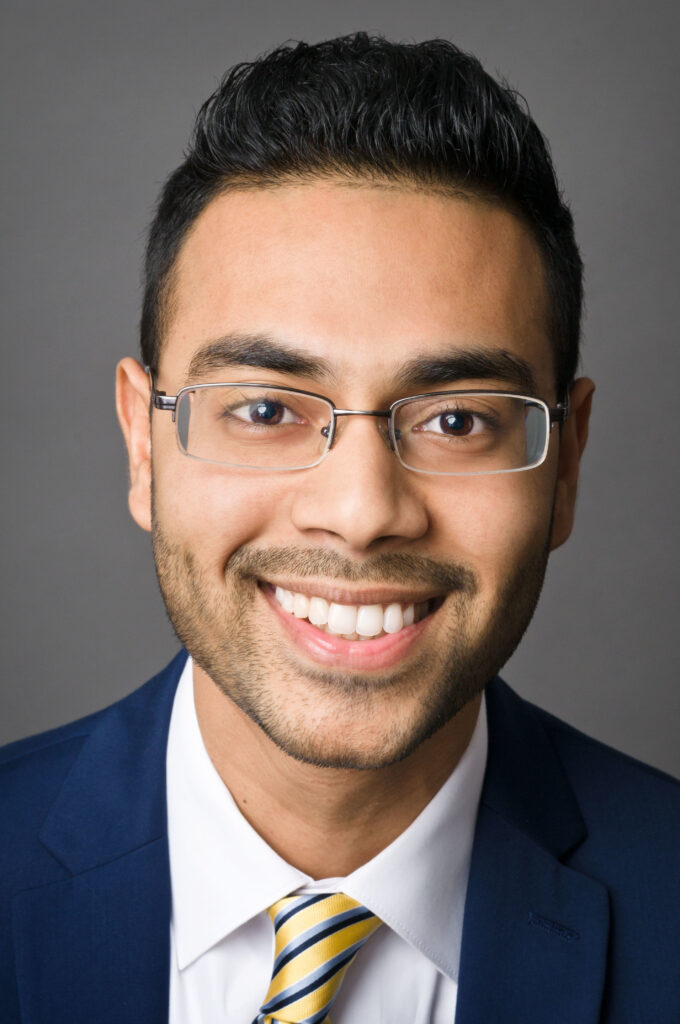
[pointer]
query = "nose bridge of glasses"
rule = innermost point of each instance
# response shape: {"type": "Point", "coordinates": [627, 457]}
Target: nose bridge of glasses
{"type": "Point", "coordinates": [383, 414]}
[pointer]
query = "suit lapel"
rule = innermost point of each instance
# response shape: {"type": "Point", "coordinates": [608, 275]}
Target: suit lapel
{"type": "Point", "coordinates": [95, 946]}
{"type": "Point", "coordinates": [535, 932]}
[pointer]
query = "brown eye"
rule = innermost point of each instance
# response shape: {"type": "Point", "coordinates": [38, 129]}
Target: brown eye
{"type": "Point", "coordinates": [458, 423]}
{"type": "Point", "coordinates": [266, 412]}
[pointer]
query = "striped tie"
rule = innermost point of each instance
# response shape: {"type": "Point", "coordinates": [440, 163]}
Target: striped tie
{"type": "Point", "coordinates": [317, 937]}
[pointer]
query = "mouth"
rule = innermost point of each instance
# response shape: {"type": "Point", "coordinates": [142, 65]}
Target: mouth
{"type": "Point", "coordinates": [357, 635]}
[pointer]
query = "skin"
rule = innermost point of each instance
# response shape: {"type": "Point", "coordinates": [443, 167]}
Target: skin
{"type": "Point", "coordinates": [364, 277]}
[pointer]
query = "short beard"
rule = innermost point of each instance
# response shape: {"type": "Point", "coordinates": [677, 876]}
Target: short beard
{"type": "Point", "coordinates": [214, 626]}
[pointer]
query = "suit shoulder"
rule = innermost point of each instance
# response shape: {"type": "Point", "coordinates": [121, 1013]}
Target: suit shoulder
{"type": "Point", "coordinates": [575, 742]}
{"type": "Point", "coordinates": [631, 814]}
{"type": "Point", "coordinates": [612, 786]}
{"type": "Point", "coordinates": [40, 744]}
{"type": "Point", "coordinates": [32, 771]}
{"type": "Point", "coordinates": [61, 742]}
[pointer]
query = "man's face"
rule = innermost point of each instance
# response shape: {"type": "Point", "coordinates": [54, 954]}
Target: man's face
{"type": "Point", "coordinates": [362, 280]}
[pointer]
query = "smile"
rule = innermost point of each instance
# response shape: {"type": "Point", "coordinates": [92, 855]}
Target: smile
{"type": "Point", "coordinates": [328, 631]}
{"type": "Point", "coordinates": [352, 621]}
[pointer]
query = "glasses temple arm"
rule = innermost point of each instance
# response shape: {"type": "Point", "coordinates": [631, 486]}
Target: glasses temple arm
{"type": "Point", "coordinates": [561, 411]}
{"type": "Point", "coordinates": [167, 403]}
{"type": "Point", "coordinates": [159, 399]}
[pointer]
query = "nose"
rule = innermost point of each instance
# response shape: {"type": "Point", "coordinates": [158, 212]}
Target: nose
{"type": "Point", "coordinates": [360, 493]}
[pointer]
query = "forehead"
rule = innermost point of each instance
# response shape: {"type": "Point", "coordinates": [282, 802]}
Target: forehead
{"type": "Point", "coordinates": [361, 277]}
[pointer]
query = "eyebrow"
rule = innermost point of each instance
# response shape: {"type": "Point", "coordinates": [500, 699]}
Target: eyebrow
{"type": "Point", "coordinates": [479, 363]}
{"type": "Point", "coordinates": [260, 352]}
{"type": "Point", "coordinates": [424, 370]}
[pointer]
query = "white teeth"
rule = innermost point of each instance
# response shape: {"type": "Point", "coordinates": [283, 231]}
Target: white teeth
{"type": "Point", "coordinates": [393, 619]}
{"type": "Point", "coordinates": [370, 620]}
{"type": "Point", "coordinates": [342, 619]}
{"type": "Point", "coordinates": [318, 611]}
{"type": "Point", "coordinates": [300, 606]}
{"type": "Point", "coordinates": [285, 599]}
{"type": "Point", "coordinates": [348, 620]}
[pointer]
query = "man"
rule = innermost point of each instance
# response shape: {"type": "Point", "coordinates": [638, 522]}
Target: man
{"type": "Point", "coordinates": [355, 438]}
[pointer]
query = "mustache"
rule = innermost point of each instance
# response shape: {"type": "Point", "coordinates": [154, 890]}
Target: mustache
{"type": "Point", "coordinates": [389, 567]}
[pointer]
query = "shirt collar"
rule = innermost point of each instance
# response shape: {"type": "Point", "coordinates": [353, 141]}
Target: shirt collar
{"type": "Point", "coordinates": [223, 873]}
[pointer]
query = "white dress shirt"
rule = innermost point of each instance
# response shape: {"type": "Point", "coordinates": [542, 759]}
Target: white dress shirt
{"type": "Point", "coordinates": [224, 876]}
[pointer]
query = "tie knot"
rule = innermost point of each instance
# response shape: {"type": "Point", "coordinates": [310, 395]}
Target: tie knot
{"type": "Point", "coordinates": [317, 937]}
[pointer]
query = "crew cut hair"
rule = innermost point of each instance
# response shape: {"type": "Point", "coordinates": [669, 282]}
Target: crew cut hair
{"type": "Point", "coordinates": [361, 107]}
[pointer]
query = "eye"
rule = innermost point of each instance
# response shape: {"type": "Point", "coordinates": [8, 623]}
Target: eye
{"type": "Point", "coordinates": [264, 412]}
{"type": "Point", "coordinates": [455, 423]}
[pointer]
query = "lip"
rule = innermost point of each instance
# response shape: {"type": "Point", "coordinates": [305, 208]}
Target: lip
{"type": "Point", "coordinates": [336, 652]}
{"type": "Point", "coordinates": [344, 595]}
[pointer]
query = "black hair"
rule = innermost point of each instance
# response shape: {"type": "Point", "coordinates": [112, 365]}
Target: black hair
{"type": "Point", "coordinates": [361, 106]}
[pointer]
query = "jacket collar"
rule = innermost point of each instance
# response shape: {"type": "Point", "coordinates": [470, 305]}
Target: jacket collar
{"type": "Point", "coordinates": [525, 782]}
{"type": "Point", "coordinates": [113, 800]}
{"type": "Point", "coordinates": [535, 931]}
{"type": "Point", "coordinates": [95, 946]}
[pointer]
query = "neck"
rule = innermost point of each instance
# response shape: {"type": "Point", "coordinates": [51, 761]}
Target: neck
{"type": "Point", "coordinates": [326, 822]}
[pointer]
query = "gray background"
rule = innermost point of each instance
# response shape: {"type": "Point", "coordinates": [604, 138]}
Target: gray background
{"type": "Point", "coordinates": [98, 101]}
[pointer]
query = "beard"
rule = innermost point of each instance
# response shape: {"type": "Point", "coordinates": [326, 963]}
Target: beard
{"type": "Point", "coordinates": [330, 719]}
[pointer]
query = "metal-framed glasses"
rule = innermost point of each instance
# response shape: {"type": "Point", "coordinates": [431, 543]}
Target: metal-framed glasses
{"type": "Point", "coordinates": [256, 425]}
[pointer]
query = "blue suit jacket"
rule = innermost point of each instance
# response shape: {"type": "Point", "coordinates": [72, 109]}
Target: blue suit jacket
{"type": "Point", "coordinates": [573, 904]}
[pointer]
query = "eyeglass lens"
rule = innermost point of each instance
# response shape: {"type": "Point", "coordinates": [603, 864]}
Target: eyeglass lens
{"type": "Point", "coordinates": [251, 425]}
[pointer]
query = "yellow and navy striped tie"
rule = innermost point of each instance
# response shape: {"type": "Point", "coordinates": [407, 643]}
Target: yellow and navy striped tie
{"type": "Point", "coordinates": [317, 937]}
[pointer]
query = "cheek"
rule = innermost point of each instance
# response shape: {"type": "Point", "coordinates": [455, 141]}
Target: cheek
{"type": "Point", "coordinates": [212, 511]}
{"type": "Point", "coordinates": [495, 524]}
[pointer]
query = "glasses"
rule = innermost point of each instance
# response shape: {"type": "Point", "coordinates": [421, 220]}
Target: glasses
{"type": "Point", "coordinates": [447, 433]}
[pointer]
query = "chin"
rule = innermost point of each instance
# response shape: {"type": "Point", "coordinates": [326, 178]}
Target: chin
{"type": "Point", "coordinates": [361, 736]}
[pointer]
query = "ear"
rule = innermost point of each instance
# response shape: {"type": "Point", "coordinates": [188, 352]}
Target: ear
{"type": "Point", "coordinates": [133, 394]}
{"type": "Point", "coordinates": [572, 442]}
